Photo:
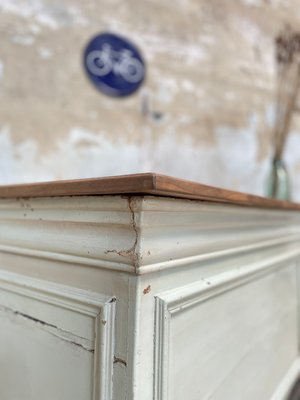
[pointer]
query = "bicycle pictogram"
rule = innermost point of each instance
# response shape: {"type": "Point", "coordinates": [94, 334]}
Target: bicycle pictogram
{"type": "Point", "coordinates": [121, 63]}
{"type": "Point", "coordinates": [114, 65]}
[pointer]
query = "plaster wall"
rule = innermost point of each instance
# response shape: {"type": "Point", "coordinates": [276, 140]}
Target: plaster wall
{"type": "Point", "coordinates": [210, 91]}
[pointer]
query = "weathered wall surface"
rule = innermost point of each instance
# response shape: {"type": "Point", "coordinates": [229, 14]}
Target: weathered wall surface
{"type": "Point", "coordinates": [210, 85]}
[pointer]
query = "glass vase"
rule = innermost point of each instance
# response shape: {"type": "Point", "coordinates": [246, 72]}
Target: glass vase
{"type": "Point", "coordinates": [278, 183]}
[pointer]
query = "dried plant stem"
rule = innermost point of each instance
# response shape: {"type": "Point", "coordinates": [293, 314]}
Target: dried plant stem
{"type": "Point", "coordinates": [288, 63]}
{"type": "Point", "coordinates": [286, 106]}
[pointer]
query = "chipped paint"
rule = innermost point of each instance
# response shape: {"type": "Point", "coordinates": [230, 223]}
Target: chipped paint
{"type": "Point", "coordinates": [147, 289]}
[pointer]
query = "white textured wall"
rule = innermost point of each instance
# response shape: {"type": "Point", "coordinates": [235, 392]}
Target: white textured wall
{"type": "Point", "coordinates": [210, 73]}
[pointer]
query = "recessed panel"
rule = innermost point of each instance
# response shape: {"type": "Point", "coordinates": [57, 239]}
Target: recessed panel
{"type": "Point", "coordinates": [236, 344]}
{"type": "Point", "coordinates": [36, 364]}
{"type": "Point", "coordinates": [55, 344]}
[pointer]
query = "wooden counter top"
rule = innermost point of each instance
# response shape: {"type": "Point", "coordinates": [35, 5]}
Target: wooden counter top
{"type": "Point", "coordinates": [141, 184]}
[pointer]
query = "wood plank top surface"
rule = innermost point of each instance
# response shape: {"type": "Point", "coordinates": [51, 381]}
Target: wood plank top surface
{"type": "Point", "coordinates": [142, 184]}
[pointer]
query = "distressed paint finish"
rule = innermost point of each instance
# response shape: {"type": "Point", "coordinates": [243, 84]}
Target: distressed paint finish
{"type": "Point", "coordinates": [211, 75]}
{"type": "Point", "coordinates": [117, 298]}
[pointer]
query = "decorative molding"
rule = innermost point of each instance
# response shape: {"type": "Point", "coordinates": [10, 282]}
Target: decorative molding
{"type": "Point", "coordinates": [286, 385]}
{"type": "Point", "coordinates": [95, 231]}
{"type": "Point", "coordinates": [178, 233]}
{"type": "Point", "coordinates": [180, 299]}
{"type": "Point", "coordinates": [190, 295]}
{"type": "Point", "coordinates": [139, 235]}
{"type": "Point", "coordinates": [161, 349]}
{"type": "Point", "coordinates": [233, 251]}
{"type": "Point", "coordinates": [100, 308]}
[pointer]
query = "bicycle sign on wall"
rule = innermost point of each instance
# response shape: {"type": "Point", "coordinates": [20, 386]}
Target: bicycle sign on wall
{"type": "Point", "coordinates": [114, 65]}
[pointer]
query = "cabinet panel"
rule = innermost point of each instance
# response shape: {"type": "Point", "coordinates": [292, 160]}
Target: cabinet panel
{"type": "Point", "coordinates": [55, 342]}
{"type": "Point", "coordinates": [38, 365]}
{"type": "Point", "coordinates": [227, 340]}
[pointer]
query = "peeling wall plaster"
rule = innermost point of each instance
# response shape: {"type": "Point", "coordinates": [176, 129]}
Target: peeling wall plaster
{"type": "Point", "coordinates": [53, 15]}
{"type": "Point", "coordinates": [210, 86]}
{"type": "Point", "coordinates": [87, 154]}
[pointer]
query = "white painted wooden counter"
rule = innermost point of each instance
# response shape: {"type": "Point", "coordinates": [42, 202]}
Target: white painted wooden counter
{"type": "Point", "coordinates": [140, 297]}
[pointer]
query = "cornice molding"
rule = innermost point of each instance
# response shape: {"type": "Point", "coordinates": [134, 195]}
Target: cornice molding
{"type": "Point", "coordinates": [139, 234]}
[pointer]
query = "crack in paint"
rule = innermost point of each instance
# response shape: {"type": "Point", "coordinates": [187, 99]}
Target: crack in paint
{"type": "Point", "coordinates": [118, 360]}
{"type": "Point", "coordinates": [39, 321]}
{"type": "Point", "coordinates": [134, 226]}
{"type": "Point", "coordinates": [122, 253]}
{"type": "Point", "coordinates": [131, 253]}
{"type": "Point", "coordinates": [46, 324]}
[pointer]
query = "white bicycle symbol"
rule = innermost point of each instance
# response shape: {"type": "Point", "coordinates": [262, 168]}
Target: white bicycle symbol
{"type": "Point", "coordinates": [122, 63]}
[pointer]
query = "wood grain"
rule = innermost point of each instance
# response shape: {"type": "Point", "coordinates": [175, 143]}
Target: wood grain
{"type": "Point", "coordinates": [142, 184]}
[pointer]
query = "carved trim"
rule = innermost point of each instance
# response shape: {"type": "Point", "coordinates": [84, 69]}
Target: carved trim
{"type": "Point", "coordinates": [96, 231]}
{"type": "Point", "coordinates": [104, 351]}
{"type": "Point", "coordinates": [139, 235]}
{"type": "Point", "coordinates": [180, 299]}
{"type": "Point", "coordinates": [161, 349]}
{"type": "Point", "coordinates": [100, 308]}
{"type": "Point", "coordinates": [219, 254]}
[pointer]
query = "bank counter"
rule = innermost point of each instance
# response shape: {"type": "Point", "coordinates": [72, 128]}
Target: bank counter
{"type": "Point", "coordinates": [146, 287]}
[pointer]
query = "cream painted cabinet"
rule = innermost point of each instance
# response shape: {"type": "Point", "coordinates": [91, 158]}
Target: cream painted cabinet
{"type": "Point", "coordinates": [145, 297]}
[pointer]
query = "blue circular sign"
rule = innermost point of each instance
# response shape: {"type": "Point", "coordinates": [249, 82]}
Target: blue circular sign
{"type": "Point", "coordinates": [114, 65]}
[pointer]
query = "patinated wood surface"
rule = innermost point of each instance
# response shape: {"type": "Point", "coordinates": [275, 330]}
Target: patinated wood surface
{"type": "Point", "coordinates": [147, 183]}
